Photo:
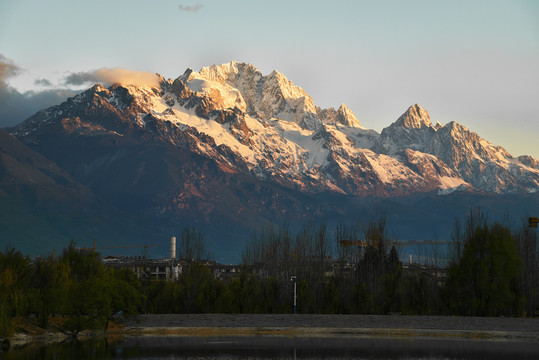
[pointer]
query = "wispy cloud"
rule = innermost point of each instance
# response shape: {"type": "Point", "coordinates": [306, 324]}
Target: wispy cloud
{"type": "Point", "coordinates": [190, 8]}
{"type": "Point", "coordinates": [42, 82]}
{"type": "Point", "coordinates": [112, 76]}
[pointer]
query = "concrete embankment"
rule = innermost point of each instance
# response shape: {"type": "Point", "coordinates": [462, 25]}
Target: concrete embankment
{"type": "Point", "coordinates": [502, 329]}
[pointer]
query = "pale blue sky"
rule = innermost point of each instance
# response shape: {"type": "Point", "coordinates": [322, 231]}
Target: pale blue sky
{"type": "Point", "coordinates": [474, 62]}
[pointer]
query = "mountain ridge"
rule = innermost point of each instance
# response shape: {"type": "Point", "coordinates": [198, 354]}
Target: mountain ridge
{"type": "Point", "coordinates": [318, 149]}
{"type": "Point", "coordinates": [230, 148]}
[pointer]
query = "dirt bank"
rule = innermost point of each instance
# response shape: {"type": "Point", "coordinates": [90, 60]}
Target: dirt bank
{"type": "Point", "coordinates": [334, 325]}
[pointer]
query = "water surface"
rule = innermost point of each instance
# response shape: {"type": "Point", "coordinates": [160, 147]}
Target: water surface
{"type": "Point", "coordinates": [263, 347]}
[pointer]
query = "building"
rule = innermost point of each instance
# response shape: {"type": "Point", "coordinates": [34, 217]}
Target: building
{"type": "Point", "coordinates": [155, 269]}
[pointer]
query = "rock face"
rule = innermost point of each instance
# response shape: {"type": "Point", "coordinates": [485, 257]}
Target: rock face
{"type": "Point", "coordinates": [474, 160]}
{"type": "Point", "coordinates": [266, 97]}
{"type": "Point", "coordinates": [412, 130]}
{"type": "Point", "coordinates": [23, 170]}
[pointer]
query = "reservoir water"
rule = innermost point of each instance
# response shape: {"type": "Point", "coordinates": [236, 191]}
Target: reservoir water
{"type": "Point", "coordinates": [268, 347]}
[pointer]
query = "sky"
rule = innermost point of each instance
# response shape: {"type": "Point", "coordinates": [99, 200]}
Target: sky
{"type": "Point", "coordinates": [474, 62]}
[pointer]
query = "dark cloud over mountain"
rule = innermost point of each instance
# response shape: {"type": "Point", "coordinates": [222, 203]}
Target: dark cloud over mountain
{"type": "Point", "coordinates": [16, 106]}
{"type": "Point", "coordinates": [42, 82]}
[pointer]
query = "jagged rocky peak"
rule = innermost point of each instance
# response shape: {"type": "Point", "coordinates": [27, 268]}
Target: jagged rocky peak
{"type": "Point", "coordinates": [96, 88]}
{"type": "Point", "coordinates": [288, 88]}
{"type": "Point", "coordinates": [346, 117]}
{"type": "Point", "coordinates": [459, 132]}
{"type": "Point", "coordinates": [529, 161]}
{"type": "Point", "coordinates": [279, 86]}
{"type": "Point", "coordinates": [224, 73]}
{"type": "Point", "coordinates": [242, 86]}
{"type": "Point", "coordinates": [245, 77]}
{"type": "Point", "coordinates": [231, 74]}
{"type": "Point", "coordinates": [415, 118]}
{"type": "Point", "coordinates": [342, 116]}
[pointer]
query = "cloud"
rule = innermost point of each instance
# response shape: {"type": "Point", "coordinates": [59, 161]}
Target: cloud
{"type": "Point", "coordinates": [81, 78]}
{"type": "Point", "coordinates": [112, 76]}
{"type": "Point", "coordinates": [16, 106]}
{"type": "Point", "coordinates": [7, 69]}
{"type": "Point", "coordinates": [190, 8]}
{"type": "Point", "coordinates": [42, 82]}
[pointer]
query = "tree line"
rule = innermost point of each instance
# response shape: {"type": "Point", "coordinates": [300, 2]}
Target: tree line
{"type": "Point", "coordinates": [490, 271]}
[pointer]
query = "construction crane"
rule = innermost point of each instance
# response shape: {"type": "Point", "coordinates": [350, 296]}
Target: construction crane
{"type": "Point", "coordinates": [364, 243]}
{"type": "Point", "coordinates": [419, 242]}
{"type": "Point", "coordinates": [346, 243]}
{"type": "Point", "coordinates": [370, 239]}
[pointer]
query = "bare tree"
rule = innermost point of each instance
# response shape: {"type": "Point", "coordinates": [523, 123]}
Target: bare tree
{"type": "Point", "coordinates": [526, 239]}
{"type": "Point", "coordinates": [192, 247]}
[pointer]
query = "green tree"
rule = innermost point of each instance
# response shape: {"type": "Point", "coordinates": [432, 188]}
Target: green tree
{"type": "Point", "coordinates": [89, 291]}
{"type": "Point", "coordinates": [88, 305]}
{"type": "Point", "coordinates": [484, 274]}
{"type": "Point", "coordinates": [14, 287]}
{"type": "Point", "coordinates": [49, 283]}
{"type": "Point", "coordinates": [126, 291]}
{"type": "Point", "coordinates": [164, 297]}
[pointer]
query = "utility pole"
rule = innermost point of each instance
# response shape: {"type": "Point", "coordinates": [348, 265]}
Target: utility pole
{"type": "Point", "coordinates": [293, 278]}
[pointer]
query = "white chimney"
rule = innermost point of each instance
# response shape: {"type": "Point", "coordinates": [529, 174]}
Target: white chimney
{"type": "Point", "coordinates": [173, 247]}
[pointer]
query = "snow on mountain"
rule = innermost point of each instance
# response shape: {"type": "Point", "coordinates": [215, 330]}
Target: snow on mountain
{"type": "Point", "coordinates": [475, 160]}
{"type": "Point", "coordinates": [243, 85]}
{"type": "Point", "coordinates": [342, 116]}
{"type": "Point", "coordinates": [412, 130]}
{"type": "Point", "coordinates": [266, 126]}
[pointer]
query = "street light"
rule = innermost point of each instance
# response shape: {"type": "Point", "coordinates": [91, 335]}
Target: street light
{"type": "Point", "coordinates": [293, 278]}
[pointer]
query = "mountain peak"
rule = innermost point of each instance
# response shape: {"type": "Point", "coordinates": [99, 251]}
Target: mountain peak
{"type": "Point", "coordinates": [243, 86]}
{"type": "Point", "coordinates": [96, 88]}
{"type": "Point", "coordinates": [415, 118]}
{"type": "Point", "coordinates": [346, 117]}
{"type": "Point", "coordinates": [227, 72]}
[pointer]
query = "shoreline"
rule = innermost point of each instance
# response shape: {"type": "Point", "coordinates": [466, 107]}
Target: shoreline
{"type": "Point", "coordinates": [332, 333]}
{"type": "Point", "coordinates": [303, 326]}
{"type": "Point", "coordinates": [425, 327]}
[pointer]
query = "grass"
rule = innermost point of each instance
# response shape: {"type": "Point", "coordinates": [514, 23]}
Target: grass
{"type": "Point", "coordinates": [29, 325]}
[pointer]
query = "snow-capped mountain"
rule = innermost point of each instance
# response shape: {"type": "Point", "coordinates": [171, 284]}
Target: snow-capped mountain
{"type": "Point", "coordinates": [229, 150]}
{"type": "Point", "coordinates": [270, 129]}
{"type": "Point", "coordinates": [474, 160]}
